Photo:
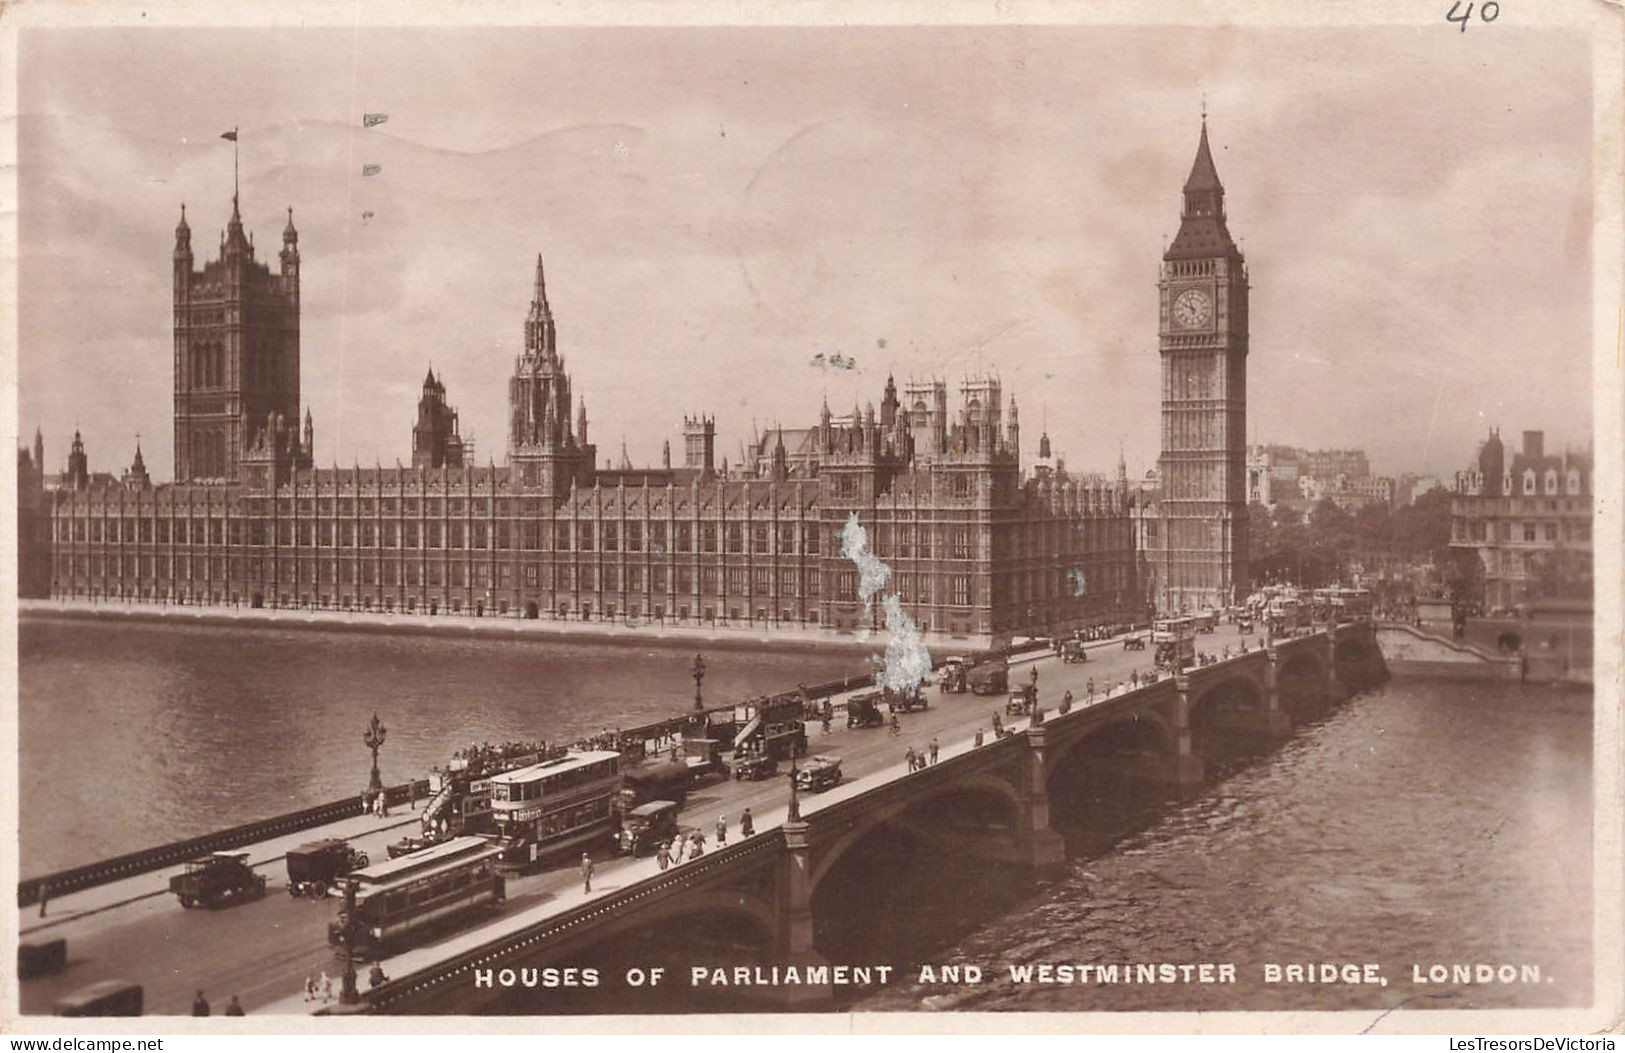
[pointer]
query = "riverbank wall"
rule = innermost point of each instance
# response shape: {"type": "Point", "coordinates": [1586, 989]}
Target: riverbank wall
{"type": "Point", "coordinates": [710, 637]}
{"type": "Point", "coordinates": [1410, 651]}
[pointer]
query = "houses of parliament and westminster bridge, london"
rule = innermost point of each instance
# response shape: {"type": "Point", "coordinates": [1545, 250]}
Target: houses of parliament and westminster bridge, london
{"type": "Point", "coordinates": [976, 545]}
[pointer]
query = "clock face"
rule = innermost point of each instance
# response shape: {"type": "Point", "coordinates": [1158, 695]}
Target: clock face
{"type": "Point", "coordinates": [1192, 308]}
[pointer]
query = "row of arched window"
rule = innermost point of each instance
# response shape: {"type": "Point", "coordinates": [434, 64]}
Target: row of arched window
{"type": "Point", "coordinates": [209, 454]}
{"type": "Point", "coordinates": [208, 365]}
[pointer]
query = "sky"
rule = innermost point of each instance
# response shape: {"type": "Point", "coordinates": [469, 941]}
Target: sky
{"type": "Point", "coordinates": [719, 206]}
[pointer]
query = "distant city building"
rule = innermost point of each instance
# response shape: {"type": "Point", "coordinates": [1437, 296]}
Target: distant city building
{"type": "Point", "coordinates": [1301, 478]}
{"type": "Point", "coordinates": [1528, 517]}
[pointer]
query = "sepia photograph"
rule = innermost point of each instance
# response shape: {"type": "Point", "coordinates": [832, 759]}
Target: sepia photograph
{"type": "Point", "coordinates": [855, 519]}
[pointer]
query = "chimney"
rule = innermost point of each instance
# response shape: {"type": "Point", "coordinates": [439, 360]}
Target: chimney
{"type": "Point", "coordinates": [1534, 444]}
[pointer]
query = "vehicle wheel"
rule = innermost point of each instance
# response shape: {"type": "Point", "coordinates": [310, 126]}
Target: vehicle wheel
{"type": "Point", "coordinates": [186, 901]}
{"type": "Point", "coordinates": [259, 885]}
{"type": "Point", "coordinates": [317, 890]}
{"type": "Point", "coordinates": [361, 860]}
{"type": "Point", "coordinates": [293, 890]}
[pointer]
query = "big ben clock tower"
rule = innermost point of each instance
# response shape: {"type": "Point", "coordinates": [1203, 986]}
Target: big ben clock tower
{"type": "Point", "coordinates": [1202, 557]}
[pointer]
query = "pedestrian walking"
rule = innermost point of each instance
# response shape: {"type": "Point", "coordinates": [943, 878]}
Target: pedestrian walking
{"type": "Point", "coordinates": [586, 872]}
{"type": "Point", "coordinates": [234, 1007]}
{"type": "Point", "coordinates": [376, 976]}
{"type": "Point", "coordinates": [310, 987]}
{"type": "Point", "coordinates": [1090, 687]}
{"type": "Point", "coordinates": [722, 830]}
{"type": "Point", "coordinates": [1066, 702]}
{"type": "Point", "coordinates": [1035, 674]}
{"type": "Point", "coordinates": [908, 755]}
{"type": "Point", "coordinates": [696, 848]}
{"type": "Point", "coordinates": [979, 736]}
{"type": "Point", "coordinates": [896, 728]}
{"type": "Point", "coordinates": [747, 823]}
{"type": "Point", "coordinates": [663, 855]}
{"type": "Point", "coordinates": [934, 749]}
{"type": "Point", "coordinates": [200, 1005]}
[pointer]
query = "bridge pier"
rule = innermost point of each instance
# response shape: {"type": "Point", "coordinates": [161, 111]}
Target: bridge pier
{"type": "Point", "coordinates": [1185, 767]}
{"type": "Point", "coordinates": [793, 942]}
{"type": "Point", "coordinates": [1041, 847]}
{"type": "Point", "coordinates": [1275, 722]}
{"type": "Point", "coordinates": [1334, 690]}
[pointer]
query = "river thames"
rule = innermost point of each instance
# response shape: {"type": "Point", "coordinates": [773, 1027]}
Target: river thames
{"type": "Point", "coordinates": [1428, 821]}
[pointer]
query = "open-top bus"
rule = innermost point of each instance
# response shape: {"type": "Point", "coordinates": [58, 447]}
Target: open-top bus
{"type": "Point", "coordinates": [397, 899]}
{"type": "Point", "coordinates": [558, 804]}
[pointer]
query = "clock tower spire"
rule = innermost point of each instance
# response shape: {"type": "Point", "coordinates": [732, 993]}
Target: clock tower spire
{"type": "Point", "coordinates": [1201, 558]}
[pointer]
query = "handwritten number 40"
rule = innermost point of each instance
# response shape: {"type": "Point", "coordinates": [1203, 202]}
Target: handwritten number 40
{"type": "Point", "coordinates": [1488, 11]}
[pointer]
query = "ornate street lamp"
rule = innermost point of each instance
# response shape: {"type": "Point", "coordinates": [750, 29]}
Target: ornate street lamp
{"type": "Point", "coordinates": [373, 737]}
{"type": "Point", "coordinates": [698, 673]}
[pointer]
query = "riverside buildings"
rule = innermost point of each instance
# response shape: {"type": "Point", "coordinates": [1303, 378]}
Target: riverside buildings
{"type": "Point", "coordinates": [1528, 518]}
{"type": "Point", "coordinates": [977, 547]}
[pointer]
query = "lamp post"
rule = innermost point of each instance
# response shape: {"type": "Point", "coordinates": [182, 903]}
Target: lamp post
{"type": "Point", "coordinates": [795, 798]}
{"type": "Point", "coordinates": [348, 992]}
{"type": "Point", "coordinates": [698, 673]}
{"type": "Point", "coordinates": [373, 737]}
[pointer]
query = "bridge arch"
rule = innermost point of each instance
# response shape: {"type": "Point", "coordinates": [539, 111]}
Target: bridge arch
{"type": "Point", "coordinates": [1301, 680]}
{"type": "Point", "coordinates": [1225, 717]}
{"type": "Point", "coordinates": [981, 784]}
{"type": "Point", "coordinates": [1144, 731]}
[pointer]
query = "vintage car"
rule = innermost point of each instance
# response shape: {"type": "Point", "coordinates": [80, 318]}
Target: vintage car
{"type": "Point", "coordinates": [408, 845]}
{"type": "Point", "coordinates": [818, 773]}
{"type": "Point", "coordinates": [990, 678]}
{"type": "Point", "coordinates": [863, 711]}
{"type": "Point", "coordinates": [217, 878]}
{"type": "Point", "coordinates": [1021, 700]}
{"type": "Point", "coordinates": [314, 867]}
{"type": "Point", "coordinates": [754, 766]}
{"type": "Point", "coordinates": [647, 826]}
{"type": "Point", "coordinates": [1134, 642]}
{"type": "Point", "coordinates": [1244, 624]}
{"type": "Point", "coordinates": [1073, 652]}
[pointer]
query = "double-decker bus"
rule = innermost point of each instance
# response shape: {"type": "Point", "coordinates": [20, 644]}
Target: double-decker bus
{"type": "Point", "coordinates": [1350, 605]}
{"type": "Point", "coordinates": [398, 899]}
{"type": "Point", "coordinates": [1173, 642]}
{"type": "Point", "coordinates": [561, 803]}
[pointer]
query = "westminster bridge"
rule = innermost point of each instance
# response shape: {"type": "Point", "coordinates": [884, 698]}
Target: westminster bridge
{"type": "Point", "coordinates": [770, 885]}
{"type": "Point", "coordinates": [989, 799]}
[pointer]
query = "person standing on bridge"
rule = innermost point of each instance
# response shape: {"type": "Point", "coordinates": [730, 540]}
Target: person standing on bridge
{"type": "Point", "coordinates": [934, 749]}
{"type": "Point", "coordinates": [696, 847]}
{"type": "Point", "coordinates": [896, 728]}
{"type": "Point", "coordinates": [234, 1007]}
{"type": "Point", "coordinates": [586, 872]}
{"type": "Point", "coordinates": [747, 823]}
{"type": "Point", "coordinates": [722, 830]}
{"type": "Point", "coordinates": [1090, 687]}
{"type": "Point", "coordinates": [979, 736]}
{"type": "Point", "coordinates": [200, 1005]}
{"type": "Point", "coordinates": [663, 856]}
{"type": "Point", "coordinates": [1035, 674]}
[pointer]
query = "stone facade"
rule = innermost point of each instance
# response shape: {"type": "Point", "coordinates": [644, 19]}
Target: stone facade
{"type": "Point", "coordinates": [975, 547]}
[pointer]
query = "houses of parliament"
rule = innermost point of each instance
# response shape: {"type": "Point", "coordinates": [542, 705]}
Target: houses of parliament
{"type": "Point", "coordinates": [977, 546]}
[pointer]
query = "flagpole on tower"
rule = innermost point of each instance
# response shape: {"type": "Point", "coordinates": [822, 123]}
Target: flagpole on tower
{"type": "Point", "coordinates": [235, 181]}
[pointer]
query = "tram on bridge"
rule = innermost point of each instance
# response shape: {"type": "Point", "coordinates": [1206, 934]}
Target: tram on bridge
{"type": "Point", "coordinates": [398, 899]}
{"type": "Point", "coordinates": [561, 803]}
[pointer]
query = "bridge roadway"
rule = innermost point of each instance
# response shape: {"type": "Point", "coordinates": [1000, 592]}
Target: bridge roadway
{"type": "Point", "coordinates": [263, 950]}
